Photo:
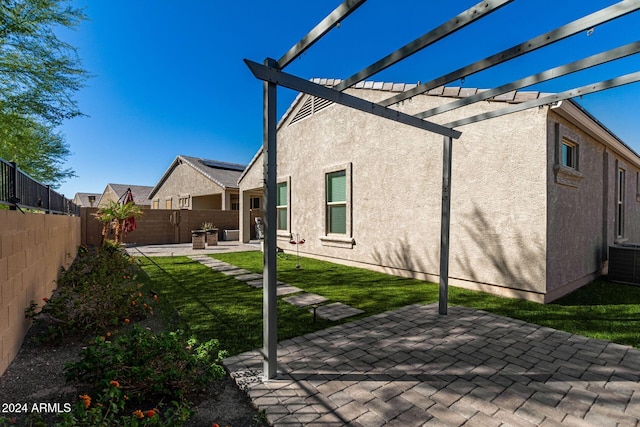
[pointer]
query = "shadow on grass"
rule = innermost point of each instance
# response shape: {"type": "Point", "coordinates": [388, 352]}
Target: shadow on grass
{"type": "Point", "coordinates": [215, 306]}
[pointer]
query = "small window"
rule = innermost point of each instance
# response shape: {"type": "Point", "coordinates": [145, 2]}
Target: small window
{"type": "Point", "coordinates": [337, 202]}
{"type": "Point", "coordinates": [569, 154]}
{"type": "Point", "coordinates": [156, 204]}
{"type": "Point", "coordinates": [620, 203]}
{"type": "Point", "coordinates": [254, 203]}
{"type": "Point", "coordinates": [282, 205]}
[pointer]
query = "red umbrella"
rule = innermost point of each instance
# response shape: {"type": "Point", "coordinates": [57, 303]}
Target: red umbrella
{"type": "Point", "coordinates": [129, 223]}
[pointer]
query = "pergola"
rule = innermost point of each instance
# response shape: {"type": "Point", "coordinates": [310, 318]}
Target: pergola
{"type": "Point", "coordinates": [272, 74]}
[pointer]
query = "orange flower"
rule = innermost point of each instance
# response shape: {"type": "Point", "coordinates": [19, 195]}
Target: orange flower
{"type": "Point", "coordinates": [115, 383]}
{"type": "Point", "coordinates": [138, 413]}
{"type": "Point", "coordinates": [86, 399]}
{"type": "Point", "coordinates": [155, 298]}
{"type": "Point", "coordinates": [150, 413]}
{"type": "Point", "coordinates": [133, 303]}
{"type": "Point", "coordinates": [127, 320]}
{"type": "Point", "coordinates": [109, 333]}
{"type": "Point", "coordinates": [216, 425]}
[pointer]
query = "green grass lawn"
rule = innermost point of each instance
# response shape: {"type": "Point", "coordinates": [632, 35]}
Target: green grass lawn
{"type": "Point", "coordinates": [214, 305]}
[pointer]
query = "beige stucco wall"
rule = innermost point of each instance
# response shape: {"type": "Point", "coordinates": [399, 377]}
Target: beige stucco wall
{"type": "Point", "coordinates": [582, 208]}
{"type": "Point", "coordinates": [33, 247]}
{"type": "Point", "coordinates": [498, 224]}
{"type": "Point", "coordinates": [184, 181]}
{"type": "Point", "coordinates": [107, 196]}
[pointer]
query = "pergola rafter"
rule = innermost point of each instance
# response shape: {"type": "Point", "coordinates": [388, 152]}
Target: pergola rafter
{"type": "Point", "coordinates": [553, 73]}
{"type": "Point", "coordinates": [272, 75]}
{"type": "Point", "coordinates": [550, 99]}
{"type": "Point", "coordinates": [597, 18]}
{"type": "Point", "coordinates": [454, 24]}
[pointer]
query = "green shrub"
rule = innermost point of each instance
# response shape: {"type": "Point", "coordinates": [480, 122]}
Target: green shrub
{"type": "Point", "coordinates": [95, 295]}
{"type": "Point", "coordinates": [150, 368]}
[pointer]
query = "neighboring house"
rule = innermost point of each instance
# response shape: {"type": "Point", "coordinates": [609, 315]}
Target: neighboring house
{"type": "Point", "coordinates": [194, 183]}
{"type": "Point", "coordinates": [86, 200]}
{"type": "Point", "coordinates": [537, 196]}
{"type": "Point", "coordinates": [116, 192]}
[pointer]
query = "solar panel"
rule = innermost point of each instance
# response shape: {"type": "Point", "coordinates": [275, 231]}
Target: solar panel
{"type": "Point", "coordinates": [222, 165]}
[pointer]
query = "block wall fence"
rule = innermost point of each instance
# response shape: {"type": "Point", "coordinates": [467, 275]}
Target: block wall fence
{"type": "Point", "coordinates": [33, 247]}
{"type": "Point", "coordinates": [162, 226]}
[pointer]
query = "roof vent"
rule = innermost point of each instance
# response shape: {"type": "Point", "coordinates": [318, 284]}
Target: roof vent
{"type": "Point", "coordinates": [311, 105]}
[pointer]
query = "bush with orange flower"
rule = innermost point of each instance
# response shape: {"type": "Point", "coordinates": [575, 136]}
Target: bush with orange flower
{"type": "Point", "coordinates": [95, 295]}
{"type": "Point", "coordinates": [151, 368]}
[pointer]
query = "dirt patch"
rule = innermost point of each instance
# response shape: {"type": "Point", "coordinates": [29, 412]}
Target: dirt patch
{"type": "Point", "coordinates": [36, 377]}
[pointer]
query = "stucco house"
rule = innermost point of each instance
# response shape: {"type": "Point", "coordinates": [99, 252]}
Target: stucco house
{"type": "Point", "coordinates": [116, 192]}
{"type": "Point", "coordinates": [86, 200]}
{"type": "Point", "coordinates": [537, 196]}
{"type": "Point", "coordinates": [195, 183]}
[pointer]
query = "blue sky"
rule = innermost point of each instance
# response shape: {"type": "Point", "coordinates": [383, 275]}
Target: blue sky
{"type": "Point", "coordinates": [169, 77]}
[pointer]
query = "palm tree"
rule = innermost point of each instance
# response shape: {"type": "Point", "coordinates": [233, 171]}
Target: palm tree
{"type": "Point", "coordinates": [115, 215]}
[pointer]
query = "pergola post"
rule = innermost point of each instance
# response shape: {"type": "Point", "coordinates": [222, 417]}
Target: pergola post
{"type": "Point", "coordinates": [443, 298]}
{"type": "Point", "coordinates": [270, 307]}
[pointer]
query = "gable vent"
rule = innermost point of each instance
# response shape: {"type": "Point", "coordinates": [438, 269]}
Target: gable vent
{"type": "Point", "coordinates": [312, 105]}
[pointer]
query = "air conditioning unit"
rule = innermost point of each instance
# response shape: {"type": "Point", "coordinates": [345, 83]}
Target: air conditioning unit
{"type": "Point", "coordinates": [624, 263]}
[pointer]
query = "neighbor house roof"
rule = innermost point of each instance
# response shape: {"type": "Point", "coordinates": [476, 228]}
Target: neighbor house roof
{"type": "Point", "coordinates": [140, 192]}
{"type": "Point", "coordinates": [83, 199]}
{"type": "Point", "coordinates": [224, 174]}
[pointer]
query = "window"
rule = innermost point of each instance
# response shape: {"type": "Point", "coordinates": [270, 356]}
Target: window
{"type": "Point", "coordinates": [156, 204]}
{"type": "Point", "coordinates": [282, 198]}
{"type": "Point", "coordinates": [566, 167]}
{"type": "Point", "coordinates": [620, 203]}
{"type": "Point", "coordinates": [569, 154]}
{"type": "Point", "coordinates": [167, 204]}
{"type": "Point", "coordinates": [337, 202]}
{"type": "Point", "coordinates": [254, 203]}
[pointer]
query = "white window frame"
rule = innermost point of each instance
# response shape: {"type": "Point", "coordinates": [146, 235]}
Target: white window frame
{"type": "Point", "coordinates": [621, 179]}
{"type": "Point", "coordinates": [567, 173]}
{"type": "Point", "coordinates": [333, 239]}
{"type": "Point", "coordinates": [572, 159]}
{"type": "Point", "coordinates": [284, 232]}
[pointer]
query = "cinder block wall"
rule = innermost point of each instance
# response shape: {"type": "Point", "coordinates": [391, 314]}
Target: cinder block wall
{"type": "Point", "coordinates": [154, 227]}
{"type": "Point", "coordinates": [33, 247]}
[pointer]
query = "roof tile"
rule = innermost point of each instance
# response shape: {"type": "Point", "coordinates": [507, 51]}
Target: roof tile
{"type": "Point", "coordinates": [451, 91]}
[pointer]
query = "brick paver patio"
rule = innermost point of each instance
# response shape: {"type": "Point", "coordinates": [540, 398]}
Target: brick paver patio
{"type": "Point", "coordinates": [414, 367]}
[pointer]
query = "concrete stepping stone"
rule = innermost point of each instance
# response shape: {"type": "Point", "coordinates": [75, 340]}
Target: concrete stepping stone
{"type": "Point", "coordinates": [249, 277]}
{"type": "Point", "coordinates": [258, 283]}
{"type": "Point", "coordinates": [287, 290]}
{"type": "Point", "coordinates": [336, 311]}
{"type": "Point", "coordinates": [306, 299]}
{"type": "Point", "coordinates": [234, 271]}
{"type": "Point", "coordinates": [223, 268]}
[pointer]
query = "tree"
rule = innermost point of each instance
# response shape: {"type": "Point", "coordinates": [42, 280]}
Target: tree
{"type": "Point", "coordinates": [39, 74]}
{"type": "Point", "coordinates": [37, 149]}
{"type": "Point", "coordinates": [114, 216]}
